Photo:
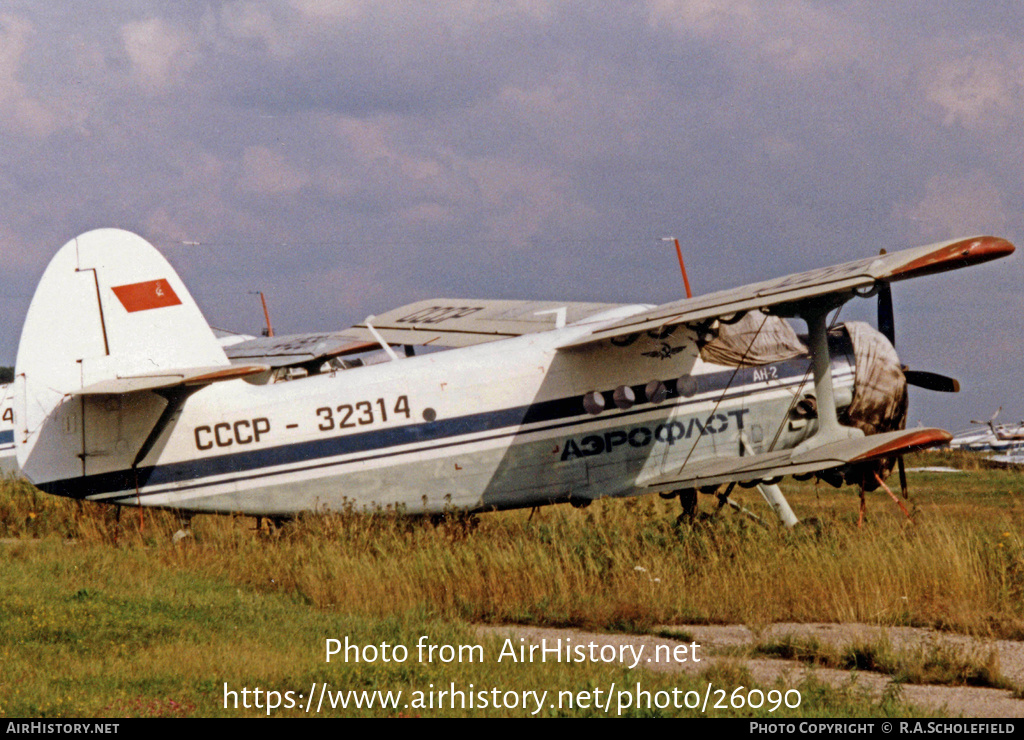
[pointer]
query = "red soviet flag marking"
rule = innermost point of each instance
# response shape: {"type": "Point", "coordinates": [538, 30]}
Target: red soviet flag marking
{"type": "Point", "coordinates": [144, 296]}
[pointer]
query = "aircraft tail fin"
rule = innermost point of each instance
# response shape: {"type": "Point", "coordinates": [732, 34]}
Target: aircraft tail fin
{"type": "Point", "coordinates": [108, 311]}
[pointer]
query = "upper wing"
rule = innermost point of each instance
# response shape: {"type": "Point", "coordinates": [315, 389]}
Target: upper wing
{"type": "Point", "coordinates": [784, 296]}
{"type": "Point", "coordinates": [441, 322]}
{"type": "Point", "coordinates": [457, 322]}
{"type": "Point", "coordinates": [786, 462]}
{"type": "Point", "coordinates": [298, 349]}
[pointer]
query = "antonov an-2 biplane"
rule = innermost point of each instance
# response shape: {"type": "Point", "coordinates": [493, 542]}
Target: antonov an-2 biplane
{"type": "Point", "coordinates": [123, 394]}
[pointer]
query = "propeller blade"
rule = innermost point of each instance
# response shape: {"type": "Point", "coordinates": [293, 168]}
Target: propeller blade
{"type": "Point", "coordinates": [932, 381]}
{"type": "Point", "coordinates": [886, 319]}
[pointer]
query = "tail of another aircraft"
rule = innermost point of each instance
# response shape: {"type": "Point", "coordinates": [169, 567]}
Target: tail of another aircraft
{"type": "Point", "coordinates": [110, 321]}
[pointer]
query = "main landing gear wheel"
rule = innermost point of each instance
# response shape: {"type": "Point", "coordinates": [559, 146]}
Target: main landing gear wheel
{"type": "Point", "coordinates": [688, 501]}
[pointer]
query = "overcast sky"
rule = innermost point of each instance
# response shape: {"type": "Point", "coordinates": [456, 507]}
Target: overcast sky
{"type": "Point", "coordinates": [348, 157]}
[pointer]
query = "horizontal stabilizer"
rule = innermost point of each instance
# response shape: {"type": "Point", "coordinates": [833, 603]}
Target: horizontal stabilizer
{"type": "Point", "coordinates": [785, 462]}
{"type": "Point", "coordinates": [193, 376]}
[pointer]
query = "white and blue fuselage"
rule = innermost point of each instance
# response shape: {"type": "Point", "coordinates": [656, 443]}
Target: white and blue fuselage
{"type": "Point", "coordinates": [493, 426]}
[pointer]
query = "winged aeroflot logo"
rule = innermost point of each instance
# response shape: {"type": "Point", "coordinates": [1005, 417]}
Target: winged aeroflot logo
{"type": "Point", "coordinates": [664, 352]}
{"type": "Point", "coordinates": [144, 296]}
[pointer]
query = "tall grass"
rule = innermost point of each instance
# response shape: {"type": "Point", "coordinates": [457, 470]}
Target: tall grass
{"type": "Point", "coordinates": [617, 565]}
{"type": "Point", "coordinates": [629, 566]}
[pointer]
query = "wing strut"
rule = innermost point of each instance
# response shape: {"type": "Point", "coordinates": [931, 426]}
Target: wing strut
{"type": "Point", "coordinates": [771, 492]}
{"type": "Point", "coordinates": [829, 428]}
{"type": "Point", "coordinates": [380, 340]}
